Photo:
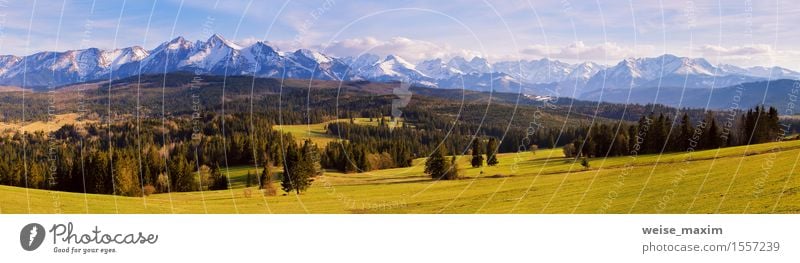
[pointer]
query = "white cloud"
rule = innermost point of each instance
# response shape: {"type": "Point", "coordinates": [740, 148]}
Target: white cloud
{"type": "Point", "coordinates": [579, 51]}
{"type": "Point", "coordinates": [751, 55]}
{"type": "Point", "coordinates": [736, 51]}
{"type": "Point", "coordinates": [246, 42]}
{"type": "Point", "coordinates": [410, 49]}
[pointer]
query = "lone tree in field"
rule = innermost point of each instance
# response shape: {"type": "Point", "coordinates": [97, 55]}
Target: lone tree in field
{"type": "Point", "coordinates": [298, 168]}
{"type": "Point", "coordinates": [452, 171]}
{"type": "Point", "coordinates": [266, 176]}
{"type": "Point", "coordinates": [265, 181]}
{"type": "Point", "coordinates": [436, 166]}
{"type": "Point", "coordinates": [491, 154]}
{"type": "Point", "coordinates": [477, 156]}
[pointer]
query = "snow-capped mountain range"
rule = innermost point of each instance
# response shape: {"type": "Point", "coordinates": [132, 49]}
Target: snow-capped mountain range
{"type": "Point", "coordinates": [218, 56]}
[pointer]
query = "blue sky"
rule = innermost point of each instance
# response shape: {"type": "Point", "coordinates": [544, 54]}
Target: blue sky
{"type": "Point", "coordinates": [745, 33]}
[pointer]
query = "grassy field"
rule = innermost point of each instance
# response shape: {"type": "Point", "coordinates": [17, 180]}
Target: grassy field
{"type": "Point", "coordinates": [58, 121]}
{"type": "Point", "coordinates": [754, 179]}
{"type": "Point", "coordinates": [318, 134]}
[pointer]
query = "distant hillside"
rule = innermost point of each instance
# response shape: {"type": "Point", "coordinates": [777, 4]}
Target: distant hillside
{"type": "Point", "coordinates": [773, 93]}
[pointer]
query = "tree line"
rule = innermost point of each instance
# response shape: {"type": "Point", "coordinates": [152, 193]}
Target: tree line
{"type": "Point", "coordinates": [659, 134]}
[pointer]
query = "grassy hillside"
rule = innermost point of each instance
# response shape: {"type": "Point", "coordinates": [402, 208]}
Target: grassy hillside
{"type": "Point", "coordinates": [56, 123]}
{"type": "Point", "coordinates": [754, 179]}
{"type": "Point", "coordinates": [317, 133]}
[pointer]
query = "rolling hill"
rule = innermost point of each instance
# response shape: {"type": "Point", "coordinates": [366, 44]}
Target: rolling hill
{"type": "Point", "coordinates": [730, 180]}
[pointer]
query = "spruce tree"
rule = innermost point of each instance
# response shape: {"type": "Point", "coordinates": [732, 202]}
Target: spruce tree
{"type": "Point", "coordinates": [477, 156]}
{"type": "Point", "coordinates": [712, 135]}
{"type": "Point", "coordinates": [685, 133]}
{"type": "Point", "coordinates": [290, 162]}
{"type": "Point", "coordinates": [491, 154]}
{"type": "Point", "coordinates": [436, 166]}
{"type": "Point", "coordinates": [249, 179]}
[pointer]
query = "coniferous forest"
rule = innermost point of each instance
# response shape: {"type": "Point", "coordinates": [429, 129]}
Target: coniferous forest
{"type": "Point", "coordinates": [181, 136]}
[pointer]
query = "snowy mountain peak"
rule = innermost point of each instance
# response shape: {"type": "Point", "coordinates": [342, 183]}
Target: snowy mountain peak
{"type": "Point", "coordinates": [437, 68]}
{"type": "Point", "coordinates": [584, 71]}
{"type": "Point", "coordinates": [261, 47]}
{"type": "Point", "coordinates": [474, 65]}
{"type": "Point", "coordinates": [396, 60]}
{"type": "Point", "coordinates": [217, 55]}
{"type": "Point", "coordinates": [317, 57]}
{"type": "Point", "coordinates": [175, 44]}
{"type": "Point", "coordinates": [390, 68]}
{"type": "Point", "coordinates": [217, 41]}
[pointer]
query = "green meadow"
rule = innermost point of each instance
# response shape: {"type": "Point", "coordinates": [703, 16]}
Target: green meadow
{"type": "Point", "coordinates": [317, 132]}
{"type": "Point", "coordinates": [746, 179]}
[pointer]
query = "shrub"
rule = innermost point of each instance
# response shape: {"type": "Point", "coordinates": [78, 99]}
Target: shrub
{"type": "Point", "coordinates": [569, 150]}
{"type": "Point", "coordinates": [270, 190]}
{"type": "Point", "coordinates": [162, 183]}
{"type": "Point", "coordinates": [149, 190]}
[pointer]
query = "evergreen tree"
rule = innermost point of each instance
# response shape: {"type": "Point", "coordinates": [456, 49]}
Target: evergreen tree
{"type": "Point", "coordinates": [249, 179]}
{"type": "Point", "coordinates": [491, 152]}
{"type": "Point", "coordinates": [712, 140]}
{"type": "Point", "coordinates": [436, 166]}
{"type": "Point", "coordinates": [311, 152]}
{"type": "Point", "coordinates": [182, 174]}
{"type": "Point", "coordinates": [290, 162]}
{"type": "Point", "coordinates": [477, 156]}
{"type": "Point", "coordinates": [298, 168]}
{"type": "Point", "coordinates": [633, 135]}
{"type": "Point", "coordinates": [685, 133]}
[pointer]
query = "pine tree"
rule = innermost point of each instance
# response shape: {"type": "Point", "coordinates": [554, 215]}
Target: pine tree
{"type": "Point", "coordinates": [182, 173]}
{"type": "Point", "coordinates": [685, 133]}
{"type": "Point", "coordinates": [290, 162]}
{"type": "Point", "coordinates": [491, 152]}
{"type": "Point", "coordinates": [633, 135]}
{"type": "Point", "coordinates": [249, 179]}
{"type": "Point", "coordinates": [436, 166]}
{"type": "Point", "coordinates": [362, 162]}
{"type": "Point", "coordinates": [477, 156]}
{"type": "Point", "coordinates": [712, 135]}
{"type": "Point", "coordinates": [298, 168]}
{"type": "Point", "coordinates": [312, 153]}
